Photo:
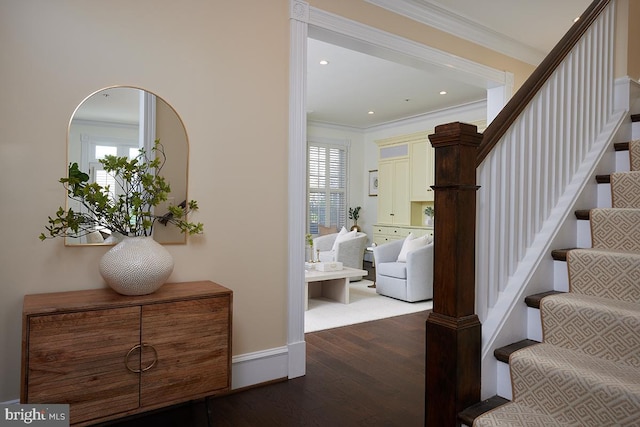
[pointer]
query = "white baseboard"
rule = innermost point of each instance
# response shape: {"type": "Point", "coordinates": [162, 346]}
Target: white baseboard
{"type": "Point", "coordinates": [297, 359]}
{"type": "Point", "coordinates": [259, 367]}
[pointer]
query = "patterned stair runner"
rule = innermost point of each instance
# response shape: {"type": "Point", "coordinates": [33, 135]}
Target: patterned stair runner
{"type": "Point", "coordinates": [586, 372]}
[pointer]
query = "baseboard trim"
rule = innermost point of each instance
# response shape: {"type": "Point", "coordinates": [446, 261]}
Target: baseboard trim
{"type": "Point", "coordinates": [259, 367]}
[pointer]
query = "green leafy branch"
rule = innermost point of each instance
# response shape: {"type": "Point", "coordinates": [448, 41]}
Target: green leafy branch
{"type": "Point", "coordinates": [354, 213]}
{"type": "Point", "coordinates": [127, 209]}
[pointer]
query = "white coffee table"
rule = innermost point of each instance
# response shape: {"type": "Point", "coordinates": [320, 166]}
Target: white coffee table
{"type": "Point", "coordinates": [329, 284]}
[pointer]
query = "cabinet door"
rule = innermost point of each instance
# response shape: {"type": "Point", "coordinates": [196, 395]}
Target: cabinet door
{"type": "Point", "coordinates": [422, 171]}
{"type": "Point", "coordinates": [401, 193]}
{"type": "Point", "coordinates": [385, 192]}
{"type": "Point", "coordinates": [430, 172]}
{"type": "Point", "coordinates": [78, 358]}
{"type": "Point", "coordinates": [189, 342]}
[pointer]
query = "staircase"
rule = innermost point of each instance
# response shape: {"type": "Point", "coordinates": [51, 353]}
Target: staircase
{"type": "Point", "coordinates": [584, 368]}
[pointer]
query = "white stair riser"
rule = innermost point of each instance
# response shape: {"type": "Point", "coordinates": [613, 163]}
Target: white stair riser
{"type": "Point", "coordinates": [534, 324]}
{"type": "Point", "coordinates": [560, 276]}
{"type": "Point", "coordinates": [604, 195]}
{"type": "Point", "coordinates": [504, 381]}
{"type": "Point", "coordinates": [635, 130]}
{"type": "Point", "coordinates": [583, 232]}
{"type": "Point", "coordinates": [622, 161]}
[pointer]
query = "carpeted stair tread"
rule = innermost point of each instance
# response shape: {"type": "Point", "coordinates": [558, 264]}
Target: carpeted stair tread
{"type": "Point", "coordinates": [503, 353]}
{"type": "Point", "coordinates": [600, 327]}
{"type": "Point", "coordinates": [516, 414]}
{"type": "Point", "coordinates": [615, 228]}
{"type": "Point", "coordinates": [575, 388]}
{"type": "Point", "coordinates": [533, 301]}
{"type": "Point", "coordinates": [625, 189]}
{"type": "Point", "coordinates": [605, 273]}
{"type": "Point", "coordinates": [468, 415]}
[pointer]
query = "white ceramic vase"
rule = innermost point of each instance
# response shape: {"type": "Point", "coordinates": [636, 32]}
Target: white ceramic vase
{"type": "Point", "coordinates": [136, 266]}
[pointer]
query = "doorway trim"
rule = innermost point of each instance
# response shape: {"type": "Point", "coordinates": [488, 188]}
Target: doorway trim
{"type": "Point", "coordinates": [304, 21]}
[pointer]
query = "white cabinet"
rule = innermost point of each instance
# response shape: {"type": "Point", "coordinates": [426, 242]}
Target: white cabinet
{"type": "Point", "coordinates": [421, 155]}
{"type": "Point", "coordinates": [405, 177]}
{"type": "Point", "coordinates": [393, 192]}
{"type": "Point", "coordinates": [387, 233]}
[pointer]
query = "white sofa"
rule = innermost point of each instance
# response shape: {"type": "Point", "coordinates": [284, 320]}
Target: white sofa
{"type": "Point", "coordinates": [349, 252]}
{"type": "Point", "coordinates": [408, 281]}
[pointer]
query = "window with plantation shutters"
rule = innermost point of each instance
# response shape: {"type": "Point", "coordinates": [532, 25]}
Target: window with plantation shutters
{"type": "Point", "coordinates": [327, 186]}
{"type": "Point", "coordinates": [98, 174]}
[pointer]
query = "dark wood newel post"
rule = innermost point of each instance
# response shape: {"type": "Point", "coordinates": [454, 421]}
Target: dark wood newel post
{"type": "Point", "coordinates": [453, 329]}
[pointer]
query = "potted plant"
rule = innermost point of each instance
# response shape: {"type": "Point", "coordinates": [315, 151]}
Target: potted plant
{"type": "Point", "coordinates": [126, 210]}
{"type": "Point", "coordinates": [308, 248]}
{"type": "Point", "coordinates": [354, 214]}
{"type": "Point", "coordinates": [429, 215]}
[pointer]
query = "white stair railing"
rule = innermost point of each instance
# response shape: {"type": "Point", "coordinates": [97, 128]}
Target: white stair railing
{"type": "Point", "coordinates": [524, 179]}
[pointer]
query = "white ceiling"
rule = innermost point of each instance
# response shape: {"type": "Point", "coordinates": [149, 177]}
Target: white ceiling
{"type": "Point", "coordinates": [115, 105]}
{"type": "Point", "coordinates": [354, 83]}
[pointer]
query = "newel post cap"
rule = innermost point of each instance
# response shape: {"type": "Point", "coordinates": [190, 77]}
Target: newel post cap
{"type": "Point", "coordinates": [455, 133]}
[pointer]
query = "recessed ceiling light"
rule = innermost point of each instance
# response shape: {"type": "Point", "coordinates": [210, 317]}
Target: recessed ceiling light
{"type": "Point", "coordinates": [324, 62]}
{"type": "Point", "coordinates": [443, 92]}
{"type": "Point", "coordinates": [371, 112]}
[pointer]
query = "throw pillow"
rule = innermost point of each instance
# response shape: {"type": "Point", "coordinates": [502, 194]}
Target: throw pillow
{"type": "Point", "coordinates": [323, 231]}
{"type": "Point", "coordinates": [411, 244]}
{"type": "Point", "coordinates": [342, 236]}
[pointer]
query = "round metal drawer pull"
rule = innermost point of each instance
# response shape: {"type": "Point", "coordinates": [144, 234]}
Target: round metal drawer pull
{"type": "Point", "coordinates": [141, 346]}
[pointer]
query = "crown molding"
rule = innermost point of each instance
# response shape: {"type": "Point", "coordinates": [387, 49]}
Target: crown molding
{"type": "Point", "coordinates": [479, 107]}
{"type": "Point", "coordinates": [444, 20]}
{"type": "Point", "coordinates": [399, 49]}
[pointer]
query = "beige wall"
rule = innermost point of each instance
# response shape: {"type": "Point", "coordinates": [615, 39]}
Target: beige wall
{"type": "Point", "coordinates": [633, 52]}
{"type": "Point", "coordinates": [627, 49]}
{"type": "Point", "coordinates": [224, 67]}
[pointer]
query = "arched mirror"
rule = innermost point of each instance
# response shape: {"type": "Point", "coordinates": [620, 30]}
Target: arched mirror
{"type": "Point", "coordinates": [120, 121]}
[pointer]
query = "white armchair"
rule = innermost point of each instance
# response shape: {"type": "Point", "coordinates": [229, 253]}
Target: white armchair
{"type": "Point", "coordinates": [349, 252]}
{"type": "Point", "coordinates": [408, 281]}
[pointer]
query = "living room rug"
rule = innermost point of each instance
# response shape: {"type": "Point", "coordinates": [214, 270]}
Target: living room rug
{"type": "Point", "coordinates": [365, 305]}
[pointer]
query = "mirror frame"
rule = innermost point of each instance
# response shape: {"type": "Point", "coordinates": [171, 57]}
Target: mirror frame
{"type": "Point", "coordinates": [173, 234]}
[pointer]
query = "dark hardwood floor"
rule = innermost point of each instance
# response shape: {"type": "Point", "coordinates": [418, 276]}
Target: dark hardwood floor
{"type": "Point", "coordinates": [371, 374]}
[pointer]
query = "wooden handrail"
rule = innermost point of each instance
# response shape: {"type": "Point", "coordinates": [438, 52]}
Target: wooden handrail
{"type": "Point", "coordinates": [537, 79]}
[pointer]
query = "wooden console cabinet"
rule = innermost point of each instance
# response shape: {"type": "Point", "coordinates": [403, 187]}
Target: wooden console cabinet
{"type": "Point", "coordinates": [109, 355]}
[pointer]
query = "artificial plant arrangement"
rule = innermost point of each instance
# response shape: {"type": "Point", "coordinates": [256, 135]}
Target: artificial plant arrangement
{"type": "Point", "coordinates": [429, 211]}
{"type": "Point", "coordinates": [354, 214]}
{"type": "Point", "coordinates": [126, 209]}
